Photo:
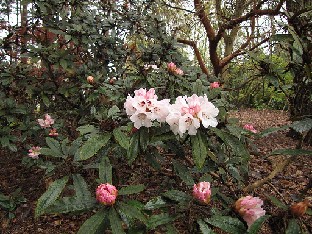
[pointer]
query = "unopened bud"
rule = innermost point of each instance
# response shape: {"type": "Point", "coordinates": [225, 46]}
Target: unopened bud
{"type": "Point", "coordinates": [299, 209]}
{"type": "Point", "coordinates": [90, 79]}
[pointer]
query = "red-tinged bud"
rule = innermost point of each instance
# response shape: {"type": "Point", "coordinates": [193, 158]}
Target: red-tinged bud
{"type": "Point", "coordinates": [299, 209]}
{"type": "Point", "coordinates": [90, 79]}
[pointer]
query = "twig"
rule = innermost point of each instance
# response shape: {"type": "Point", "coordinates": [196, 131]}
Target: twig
{"type": "Point", "coordinates": [276, 190]}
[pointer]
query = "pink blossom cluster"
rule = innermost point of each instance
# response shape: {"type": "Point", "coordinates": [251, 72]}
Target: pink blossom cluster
{"type": "Point", "coordinates": [202, 192]}
{"type": "Point", "coordinates": [249, 127]}
{"type": "Point", "coordinates": [172, 68]}
{"type": "Point", "coordinates": [249, 208]}
{"type": "Point", "coordinates": [144, 108]}
{"type": "Point", "coordinates": [214, 85]}
{"type": "Point", "coordinates": [185, 115]}
{"type": "Point", "coordinates": [46, 122]}
{"type": "Point", "coordinates": [34, 152]}
{"type": "Point", "coordinates": [106, 194]}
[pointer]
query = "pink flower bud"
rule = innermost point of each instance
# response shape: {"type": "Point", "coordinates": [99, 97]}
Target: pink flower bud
{"type": "Point", "coordinates": [106, 194]}
{"type": "Point", "coordinates": [214, 85]}
{"type": "Point", "coordinates": [171, 67]}
{"type": "Point", "coordinates": [178, 71]}
{"type": "Point", "coordinates": [90, 79]}
{"type": "Point", "coordinates": [251, 128]}
{"type": "Point", "coordinates": [249, 208]}
{"type": "Point", "coordinates": [34, 152]}
{"type": "Point", "coordinates": [53, 132]}
{"type": "Point", "coordinates": [202, 192]}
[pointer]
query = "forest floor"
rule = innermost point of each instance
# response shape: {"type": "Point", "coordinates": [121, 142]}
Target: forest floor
{"type": "Point", "coordinates": [289, 186]}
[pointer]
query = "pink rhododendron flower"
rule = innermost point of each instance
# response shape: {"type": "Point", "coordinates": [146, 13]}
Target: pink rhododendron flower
{"type": "Point", "coordinates": [53, 132]}
{"type": "Point", "coordinates": [202, 192]}
{"type": "Point", "coordinates": [144, 108]}
{"type": "Point", "coordinates": [249, 208]}
{"type": "Point", "coordinates": [34, 152]}
{"type": "Point", "coordinates": [172, 68]}
{"type": "Point", "coordinates": [249, 127]}
{"type": "Point", "coordinates": [214, 85]}
{"type": "Point", "coordinates": [46, 122]}
{"type": "Point", "coordinates": [106, 194]}
{"type": "Point", "coordinates": [186, 114]}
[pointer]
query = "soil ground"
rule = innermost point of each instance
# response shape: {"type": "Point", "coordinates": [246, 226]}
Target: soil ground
{"type": "Point", "coordinates": [291, 185]}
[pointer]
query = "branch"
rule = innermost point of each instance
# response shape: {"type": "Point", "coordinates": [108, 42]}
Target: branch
{"type": "Point", "coordinates": [255, 12]}
{"type": "Point", "coordinates": [197, 53]}
{"type": "Point", "coordinates": [200, 12]}
{"type": "Point", "coordinates": [178, 8]}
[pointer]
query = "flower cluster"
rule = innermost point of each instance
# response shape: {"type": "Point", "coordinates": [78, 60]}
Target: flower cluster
{"type": "Point", "coordinates": [106, 194]}
{"type": "Point", "coordinates": [249, 127]}
{"type": "Point", "coordinates": [202, 192]}
{"type": "Point", "coordinates": [34, 152]}
{"type": "Point", "coordinates": [249, 208]}
{"type": "Point", "coordinates": [185, 115]}
{"type": "Point", "coordinates": [172, 68]}
{"type": "Point", "coordinates": [46, 122]}
{"type": "Point", "coordinates": [144, 108]}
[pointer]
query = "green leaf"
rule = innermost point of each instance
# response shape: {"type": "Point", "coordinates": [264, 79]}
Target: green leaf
{"type": "Point", "coordinates": [183, 173]}
{"type": "Point", "coordinates": [54, 146]}
{"type": "Point", "coordinates": [291, 152]}
{"type": "Point", "coordinates": [64, 147]}
{"type": "Point", "coordinates": [269, 131]}
{"type": "Point", "coordinates": [293, 227]}
{"type": "Point", "coordinates": [134, 148]}
{"type": "Point", "coordinates": [256, 226]}
{"type": "Point", "coordinates": [171, 229]}
{"type": "Point", "coordinates": [199, 150]}
{"type": "Point", "coordinates": [132, 211]}
{"type": "Point", "coordinates": [92, 146]}
{"type": "Point", "coordinates": [155, 203]}
{"type": "Point", "coordinates": [115, 221]}
{"type": "Point", "coordinates": [81, 187]}
{"type": "Point", "coordinates": [227, 223]}
{"type": "Point", "coordinates": [63, 63]}
{"type": "Point", "coordinates": [302, 125]}
{"type": "Point", "coordinates": [122, 139]}
{"type": "Point", "coordinates": [198, 87]}
{"type": "Point", "coordinates": [277, 202]}
{"type": "Point", "coordinates": [113, 111]}
{"type": "Point", "coordinates": [204, 228]}
{"type": "Point", "coordinates": [87, 129]}
{"type": "Point", "coordinates": [49, 152]}
{"type": "Point", "coordinates": [131, 189]}
{"type": "Point", "coordinates": [157, 220]}
{"type": "Point", "coordinates": [177, 195]}
{"type": "Point", "coordinates": [144, 138]}
{"type": "Point", "coordinates": [105, 171]}
{"type": "Point", "coordinates": [95, 224]}
{"type": "Point", "coordinates": [50, 196]}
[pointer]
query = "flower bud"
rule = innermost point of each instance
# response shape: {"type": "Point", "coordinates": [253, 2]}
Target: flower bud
{"type": "Point", "coordinates": [214, 85]}
{"type": "Point", "coordinates": [249, 127]}
{"type": "Point", "coordinates": [53, 132]}
{"type": "Point", "coordinates": [106, 194]}
{"type": "Point", "coordinates": [34, 152]}
{"type": "Point", "coordinates": [90, 79]}
{"type": "Point", "coordinates": [202, 192]}
{"type": "Point", "coordinates": [299, 209]}
{"type": "Point", "coordinates": [249, 208]}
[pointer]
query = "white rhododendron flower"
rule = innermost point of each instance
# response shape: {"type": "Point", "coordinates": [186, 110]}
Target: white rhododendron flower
{"type": "Point", "coordinates": [186, 114]}
{"type": "Point", "coordinates": [144, 108]}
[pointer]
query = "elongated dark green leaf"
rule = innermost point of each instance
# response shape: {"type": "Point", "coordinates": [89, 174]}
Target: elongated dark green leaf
{"type": "Point", "coordinates": [122, 139]}
{"type": "Point", "coordinates": [183, 173]}
{"type": "Point", "coordinates": [65, 148]}
{"type": "Point", "coordinates": [131, 189]}
{"type": "Point", "coordinates": [177, 195]}
{"type": "Point", "coordinates": [291, 152]}
{"type": "Point", "coordinates": [302, 125]}
{"type": "Point", "coordinates": [204, 228]}
{"type": "Point", "coordinates": [155, 203]}
{"type": "Point", "coordinates": [131, 211]}
{"type": "Point", "coordinates": [269, 131]}
{"type": "Point", "coordinates": [50, 196]}
{"type": "Point", "coordinates": [256, 226]}
{"type": "Point", "coordinates": [115, 221]}
{"type": "Point", "coordinates": [54, 145]}
{"type": "Point", "coordinates": [171, 229]}
{"type": "Point", "coordinates": [277, 202]}
{"type": "Point", "coordinates": [227, 223]}
{"type": "Point", "coordinates": [81, 187]}
{"type": "Point", "coordinates": [293, 227]}
{"type": "Point", "coordinates": [105, 171]}
{"type": "Point", "coordinates": [160, 219]}
{"type": "Point", "coordinates": [134, 148]}
{"type": "Point", "coordinates": [95, 224]}
{"type": "Point", "coordinates": [87, 129]}
{"type": "Point", "coordinates": [199, 150]}
{"type": "Point", "coordinates": [50, 152]}
{"type": "Point", "coordinates": [92, 146]}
